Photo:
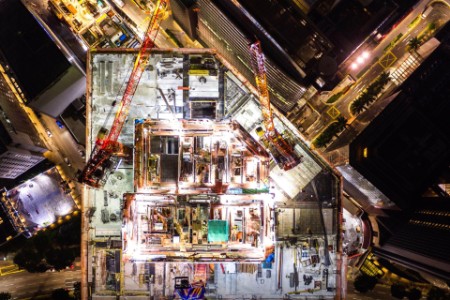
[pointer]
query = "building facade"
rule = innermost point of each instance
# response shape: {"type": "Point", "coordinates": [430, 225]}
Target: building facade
{"type": "Point", "coordinates": [216, 29]}
{"type": "Point", "coordinates": [25, 52]}
{"type": "Point", "coordinates": [404, 153]}
{"type": "Point", "coordinates": [21, 147]}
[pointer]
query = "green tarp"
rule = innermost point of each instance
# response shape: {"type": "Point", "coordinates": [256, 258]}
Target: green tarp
{"type": "Point", "coordinates": [217, 231]}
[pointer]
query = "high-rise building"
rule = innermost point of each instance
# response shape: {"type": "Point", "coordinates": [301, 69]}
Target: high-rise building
{"type": "Point", "coordinates": [304, 41]}
{"type": "Point", "coordinates": [217, 29]}
{"type": "Point", "coordinates": [21, 147]}
{"type": "Point", "coordinates": [25, 52]}
{"type": "Point", "coordinates": [185, 12]}
{"type": "Point", "coordinates": [404, 153]}
{"type": "Point", "coordinates": [421, 241]}
{"type": "Point", "coordinates": [14, 158]}
{"type": "Point", "coordinates": [347, 24]}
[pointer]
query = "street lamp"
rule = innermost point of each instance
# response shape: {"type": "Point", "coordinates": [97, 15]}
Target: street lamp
{"type": "Point", "coordinates": [360, 60]}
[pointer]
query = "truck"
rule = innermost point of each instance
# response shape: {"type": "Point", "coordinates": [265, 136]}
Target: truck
{"type": "Point", "coordinates": [426, 12]}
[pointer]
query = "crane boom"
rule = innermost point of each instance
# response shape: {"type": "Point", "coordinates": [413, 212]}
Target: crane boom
{"type": "Point", "coordinates": [290, 159]}
{"type": "Point", "coordinates": [105, 146]}
{"type": "Point", "coordinates": [258, 64]}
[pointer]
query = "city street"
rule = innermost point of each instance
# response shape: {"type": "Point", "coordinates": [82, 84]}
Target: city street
{"type": "Point", "coordinates": [24, 285]}
{"type": "Point", "coordinates": [439, 14]}
{"type": "Point", "coordinates": [141, 19]}
{"type": "Point", "coordinates": [63, 145]}
{"type": "Point", "coordinates": [375, 62]}
{"type": "Point", "coordinates": [380, 292]}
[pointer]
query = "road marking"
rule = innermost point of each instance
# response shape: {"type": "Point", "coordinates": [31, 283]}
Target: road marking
{"type": "Point", "coordinates": [387, 60]}
{"type": "Point", "coordinates": [333, 112]}
{"type": "Point", "coordinates": [11, 272]}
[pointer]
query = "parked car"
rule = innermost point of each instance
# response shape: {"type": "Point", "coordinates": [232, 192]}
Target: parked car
{"type": "Point", "coordinates": [59, 123]}
{"type": "Point", "coordinates": [67, 161]}
{"type": "Point", "coordinates": [49, 133]}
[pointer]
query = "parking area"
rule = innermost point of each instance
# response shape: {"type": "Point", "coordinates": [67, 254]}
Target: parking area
{"type": "Point", "coordinates": [42, 200]}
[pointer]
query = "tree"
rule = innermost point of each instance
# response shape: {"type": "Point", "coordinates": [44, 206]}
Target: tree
{"type": "Point", "coordinates": [370, 94]}
{"type": "Point", "coordinates": [77, 290]}
{"type": "Point", "coordinates": [59, 258]}
{"type": "Point", "coordinates": [413, 45]}
{"type": "Point", "coordinates": [42, 241]}
{"type": "Point", "coordinates": [331, 131]}
{"type": "Point", "coordinates": [431, 26]}
{"type": "Point", "coordinates": [341, 123]}
{"type": "Point", "coordinates": [61, 294]}
{"type": "Point", "coordinates": [436, 294]}
{"type": "Point", "coordinates": [414, 294]}
{"type": "Point", "coordinates": [30, 260]}
{"type": "Point", "coordinates": [398, 291]}
{"type": "Point", "coordinates": [69, 233]}
{"type": "Point", "coordinates": [383, 78]}
{"type": "Point", "coordinates": [364, 283]}
{"type": "Point", "coordinates": [5, 296]}
{"type": "Point", "coordinates": [357, 107]}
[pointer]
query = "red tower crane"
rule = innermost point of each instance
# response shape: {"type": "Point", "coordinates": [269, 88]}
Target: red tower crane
{"type": "Point", "coordinates": [107, 144]}
{"type": "Point", "coordinates": [289, 158]}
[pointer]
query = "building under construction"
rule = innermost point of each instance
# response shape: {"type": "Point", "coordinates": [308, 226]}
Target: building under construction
{"type": "Point", "coordinates": [195, 204]}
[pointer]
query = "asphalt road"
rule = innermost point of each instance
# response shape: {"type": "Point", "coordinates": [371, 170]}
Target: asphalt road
{"type": "Point", "coordinates": [380, 292]}
{"type": "Point", "coordinates": [63, 145]}
{"type": "Point", "coordinates": [440, 14]}
{"type": "Point", "coordinates": [26, 285]}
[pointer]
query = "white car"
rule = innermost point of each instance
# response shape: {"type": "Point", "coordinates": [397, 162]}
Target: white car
{"type": "Point", "coordinates": [49, 133]}
{"type": "Point", "coordinates": [66, 160]}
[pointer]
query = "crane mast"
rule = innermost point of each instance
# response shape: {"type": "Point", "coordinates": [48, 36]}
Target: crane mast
{"type": "Point", "coordinates": [106, 145]}
{"type": "Point", "coordinates": [289, 159]}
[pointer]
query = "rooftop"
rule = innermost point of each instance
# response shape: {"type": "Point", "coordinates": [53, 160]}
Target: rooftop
{"type": "Point", "coordinates": [196, 189]}
{"type": "Point", "coordinates": [28, 49]}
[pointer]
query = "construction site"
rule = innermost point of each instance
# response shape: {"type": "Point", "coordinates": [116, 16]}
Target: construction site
{"type": "Point", "coordinates": [195, 188]}
{"type": "Point", "coordinates": [202, 197]}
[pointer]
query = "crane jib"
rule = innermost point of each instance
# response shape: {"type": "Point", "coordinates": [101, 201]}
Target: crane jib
{"type": "Point", "coordinates": [96, 168]}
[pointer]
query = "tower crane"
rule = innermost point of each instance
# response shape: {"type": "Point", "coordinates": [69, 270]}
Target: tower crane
{"type": "Point", "coordinates": [107, 144]}
{"type": "Point", "coordinates": [288, 157]}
